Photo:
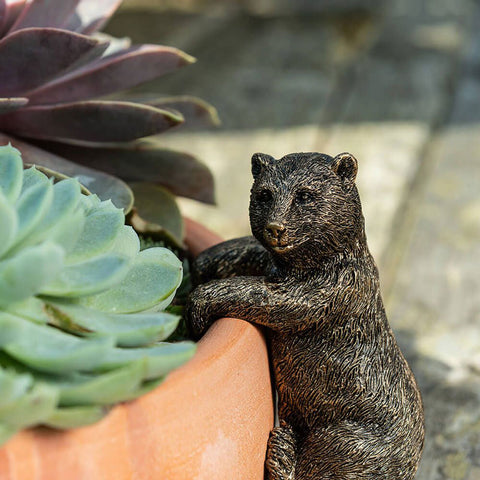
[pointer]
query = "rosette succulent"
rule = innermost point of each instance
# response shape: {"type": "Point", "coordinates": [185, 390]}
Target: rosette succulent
{"type": "Point", "coordinates": [81, 307]}
{"type": "Point", "coordinates": [53, 67]}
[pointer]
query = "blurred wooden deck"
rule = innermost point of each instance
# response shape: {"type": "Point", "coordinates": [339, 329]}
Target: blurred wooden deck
{"type": "Point", "coordinates": [399, 87]}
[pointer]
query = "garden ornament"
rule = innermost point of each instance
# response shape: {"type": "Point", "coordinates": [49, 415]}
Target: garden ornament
{"type": "Point", "coordinates": [348, 404]}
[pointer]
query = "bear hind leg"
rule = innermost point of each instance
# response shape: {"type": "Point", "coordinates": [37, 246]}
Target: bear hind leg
{"type": "Point", "coordinates": [348, 451]}
{"type": "Point", "coordinates": [281, 453]}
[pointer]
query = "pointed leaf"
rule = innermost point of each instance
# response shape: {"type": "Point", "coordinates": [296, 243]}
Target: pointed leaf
{"type": "Point", "coordinates": [130, 330]}
{"type": "Point", "coordinates": [90, 277]}
{"type": "Point", "coordinates": [159, 359]}
{"type": "Point", "coordinates": [32, 56]}
{"type": "Point", "coordinates": [31, 408]}
{"type": "Point", "coordinates": [66, 197]}
{"type": "Point", "coordinates": [8, 222]}
{"type": "Point", "coordinates": [112, 73]}
{"type": "Point", "coordinates": [111, 387]}
{"type": "Point", "coordinates": [3, 13]}
{"type": "Point", "coordinates": [29, 271]}
{"type": "Point", "coordinates": [67, 233]}
{"type": "Point", "coordinates": [151, 282]}
{"type": "Point", "coordinates": [196, 111]}
{"type": "Point", "coordinates": [74, 417]}
{"type": "Point", "coordinates": [92, 55]}
{"type": "Point", "coordinates": [31, 309]}
{"type": "Point", "coordinates": [156, 213]}
{"type": "Point", "coordinates": [115, 44]}
{"type": "Point", "coordinates": [12, 386]}
{"type": "Point", "coordinates": [10, 329]}
{"type": "Point", "coordinates": [11, 172]}
{"type": "Point", "coordinates": [32, 206]}
{"type": "Point", "coordinates": [103, 184]}
{"type": "Point", "coordinates": [91, 15]}
{"type": "Point", "coordinates": [12, 11]}
{"type": "Point", "coordinates": [45, 13]}
{"type": "Point", "coordinates": [145, 161]}
{"type": "Point", "coordinates": [50, 350]}
{"type": "Point", "coordinates": [99, 233]}
{"type": "Point", "coordinates": [127, 242]}
{"type": "Point", "coordinates": [92, 121]}
{"type": "Point", "coordinates": [33, 178]}
{"type": "Point", "coordinates": [10, 104]}
{"type": "Point", "coordinates": [53, 174]}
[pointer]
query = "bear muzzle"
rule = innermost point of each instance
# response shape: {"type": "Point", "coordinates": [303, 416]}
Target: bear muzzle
{"type": "Point", "coordinates": [275, 235]}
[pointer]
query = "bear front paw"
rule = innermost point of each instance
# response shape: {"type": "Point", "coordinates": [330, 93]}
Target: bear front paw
{"type": "Point", "coordinates": [195, 313]}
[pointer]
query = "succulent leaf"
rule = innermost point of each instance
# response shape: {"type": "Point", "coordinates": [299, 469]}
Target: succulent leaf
{"type": "Point", "coordinates": [32, 56]}
{"type": "Point", "coordinates": [115, 44]}
{"type": "Point", "coordinates": [12, 386]}
{"type": "Point", "coordinates": [12, 11]}
{"type": "Point", "coordinates": [73, 417]}
{"type": "Point", "coordinates": [32, 407]}
{"type": "Point", "coordinates": [197, 112]}
{"type": "Point", "coordinates": [66, 196]}
{"type": "Point", "coordinates": [45, 13]}
{"type": "Point", "coordinates": [8, 222]}
{"type": "Point", "coordinates": [11, 173]}
{"type": "Point", "coordinates": [88, 277]}
{"type": "Point", "coordinates": [156, 214]}
{"type": "Point", "coordinates": [145, 161]}
{"type": "Point", "coordinates": [142, 288]}
{"type": "Point", "coordinates": [91, 15]}
{"type": "Point", "coordinates": [23, 402]}
{"type": "Point", "coordinates": [49, 350]}
{"type": "Point", "coordinates": [33, 178]}
{"type": "Point", "coordinates": [159, 359]}
{"type": "Point", "coordinates": [32, 206]}
{"type": "Point", "coordinates": [30, 270]}
{"type": "Point", "coordinates": [10, 104]}
{"type": "Point", "coordinates": [32, 309]}
{"type": "Point", "coordinates": [126, 242]}
{"type": "Point", "coordinates": [104, 185]}
{"type": "Point", "coordinates": [67, 263]}
{"type": "Point", "coordinates": [132, 330]}
{"type": "Point", "coordinates": [3, 13]}
{"type": "Point", "coordinates": [111, 387]}
{"type": "Point", "coordinates": [102, 225]}
{"type": "Point", "coordinates": [66, 233]}
{"type": "Point", "coordinates": [108, 121]}
{"type": "Point", "coordinates": [52, 53]}
{"type": "Point", "coordinates": [119, 71]}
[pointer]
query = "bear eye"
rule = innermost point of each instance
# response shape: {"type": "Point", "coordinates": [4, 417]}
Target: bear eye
{"type": "Point", "coordinates": [304, 196]}
{"type": "Point", "coordinates": [264, 195]}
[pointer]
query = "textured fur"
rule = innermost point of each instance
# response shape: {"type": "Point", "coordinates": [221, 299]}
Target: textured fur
{"type": "Point", "coordinates": [349, 406]}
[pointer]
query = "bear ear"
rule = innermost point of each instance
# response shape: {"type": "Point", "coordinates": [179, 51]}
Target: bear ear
{"type": "Point", "coordinates": [259, 162]}
{"type": "Point", "coordinates": [345, 166]}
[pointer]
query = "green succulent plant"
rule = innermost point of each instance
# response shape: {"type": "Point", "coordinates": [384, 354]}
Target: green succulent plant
{"type": "Point", "coordinates": [81, 306]}
{"type": "Point", "coordinates": [54, 67]}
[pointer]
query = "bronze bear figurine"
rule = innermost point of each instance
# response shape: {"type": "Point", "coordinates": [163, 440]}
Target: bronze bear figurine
{"type": "Point", "coordinates": [348, 404]}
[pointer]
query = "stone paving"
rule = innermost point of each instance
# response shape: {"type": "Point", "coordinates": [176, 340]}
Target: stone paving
{"type": "Point", "coordinates": [398, 86]}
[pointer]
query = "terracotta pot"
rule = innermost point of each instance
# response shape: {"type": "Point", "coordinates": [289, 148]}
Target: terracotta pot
{"type": "Point", "coordinates": [209, 420]}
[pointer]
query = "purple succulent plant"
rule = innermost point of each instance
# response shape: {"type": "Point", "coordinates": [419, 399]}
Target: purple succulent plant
{"type": "Point", "coordinates": [53, 67]}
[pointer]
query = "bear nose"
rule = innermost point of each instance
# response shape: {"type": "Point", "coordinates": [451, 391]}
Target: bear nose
{"type": "Point", "coordinates": [275, 229]}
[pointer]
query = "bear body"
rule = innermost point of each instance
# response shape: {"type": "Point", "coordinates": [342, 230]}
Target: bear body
{"type": "Point", "coordinates": [348, 404]}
